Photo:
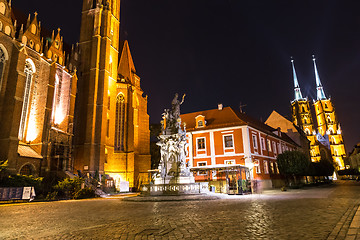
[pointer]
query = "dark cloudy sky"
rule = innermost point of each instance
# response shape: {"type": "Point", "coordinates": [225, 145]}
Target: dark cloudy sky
{"type": "Point", "coordinates": [232, 51]}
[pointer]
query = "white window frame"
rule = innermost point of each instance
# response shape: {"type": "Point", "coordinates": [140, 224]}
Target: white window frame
{"type": "Point", "coordinates": [232, 138]}
{"type": "Point", "coordinates": [274, 147]}
{"type": "Point", "coordinates": [202, 149]}
{"type": "Point", "coordinates": [255, 143]}
{"type": "Point", "coordinates": [279, 148]}
{"type": "Point", "coordinates": [266, 166]}
{"type": "Point", "coordinates": [198, 172]}
{"type": "Point", "coordinates": [263, 145]}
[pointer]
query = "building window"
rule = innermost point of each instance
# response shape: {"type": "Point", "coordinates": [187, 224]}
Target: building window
{"type": "Point", "coordinates": [266, 167]}
{"type": "Point", "coordinates": [201, 143]}
{"type": "Point", "coordinates": [272, 167]}
{"type": "Point", "coordinates": [255, 142]}
{"type": "Point", "coordinates": [200, 123]}
{"type": "Point", "coordinates": [201, 164]}
{"type": "Point", "coordinates": [263, 147]}
{"type": "Point", "coordinates": [26, 100]}
{"type": "Point", "coordinates": [229, 162]}
{"type": "Point", "coordinates": [257, 166]}
{"type": "Point", "coordinates": [201, 172]}
{"type": "Point", "coordinates": [108, 103]}
{"type": "Point", "coordinates": [108, 127]}
{"type": "Point", "coordinates": [228, 141]}
{"type": "Point", "coordinates": [279, 147]}
{"type": "Point", "coordinates": [269, 145]}
{"type": "Point", "coordinates": [2, 66]}
{"type": "Point", "coordinates": [274, 147]}
{"type": "Point", "coordinates": [106, 156]}
{"type": "Point", "coordinates": [26, 170]}
{"type": "Point", "coordinates": [120, 123]}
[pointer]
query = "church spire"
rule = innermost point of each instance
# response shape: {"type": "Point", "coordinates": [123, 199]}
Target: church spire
{"type": "Point", "coordinates": [319, 88]}
{"type": "Point", "coordinates": [298, 95]}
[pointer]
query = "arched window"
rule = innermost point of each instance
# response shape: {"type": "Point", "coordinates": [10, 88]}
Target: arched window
{"type": "Point", "coordinates": [29, 71]}
{"type": "Point", "coordinates": [26, 170]}
{"type": "Point", "coordinates": [2, 65]}
{"type": "Point", "coordinates": [120, 123]}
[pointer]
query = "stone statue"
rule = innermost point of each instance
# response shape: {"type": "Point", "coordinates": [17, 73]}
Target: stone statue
{"type": "Point", "coordinates": [173, 175]}
{"type": "Point", "coordinates": [171, 118]}
{"type": "Point", "coordinates": [176, 106]}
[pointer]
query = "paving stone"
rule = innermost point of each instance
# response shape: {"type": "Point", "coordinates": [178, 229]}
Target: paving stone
{"type": "Point", "coordinates": [314, 213]}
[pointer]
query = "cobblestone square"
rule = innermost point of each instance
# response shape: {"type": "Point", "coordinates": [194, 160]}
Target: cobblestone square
{"type": "Point", "coordinates": [313, 213]}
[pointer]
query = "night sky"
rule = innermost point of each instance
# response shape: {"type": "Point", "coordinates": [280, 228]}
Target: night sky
{"type": "Point", "coordinates": [232, 51]}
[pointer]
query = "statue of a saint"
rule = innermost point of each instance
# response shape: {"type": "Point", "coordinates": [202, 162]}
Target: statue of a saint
{"type": "Point", "coordinates": [176, 106]}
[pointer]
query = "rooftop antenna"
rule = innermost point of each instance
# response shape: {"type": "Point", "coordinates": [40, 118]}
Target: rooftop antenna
{"type": "Point", "coordinates": [241, 107]}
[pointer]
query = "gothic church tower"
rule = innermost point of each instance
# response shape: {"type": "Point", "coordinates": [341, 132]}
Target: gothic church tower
{"type": "Point", "coordinates": [112, 124]}
{"type": "Point", "coordinates": [301, 114]}
{"type": "Point", "coordinates": [328, 125]}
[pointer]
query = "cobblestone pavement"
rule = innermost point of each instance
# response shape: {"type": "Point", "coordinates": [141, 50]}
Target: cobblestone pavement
{"type": "Point", "coordinates": [314, 213]}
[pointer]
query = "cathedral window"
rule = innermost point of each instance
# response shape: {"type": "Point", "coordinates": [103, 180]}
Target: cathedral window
{"type": "Point", "coordinates": [33, 29]}
{"type": "Point", "coordinates": [108, 127]}
{"type": "Point", "coordinates": [29, 71]}
{"type": "Point", "coordinates": [120, 123]}
{"type": "Point", "coordinates": [2, 65]}
{"type": "Point", "coordinates": [2, 8]}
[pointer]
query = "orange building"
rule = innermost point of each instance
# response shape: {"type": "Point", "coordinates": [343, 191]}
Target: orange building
{"type": "Point", "coordinates": [226, 146]}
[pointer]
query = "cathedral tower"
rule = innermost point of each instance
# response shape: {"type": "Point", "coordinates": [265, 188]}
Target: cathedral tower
{"type": "Point", "coordinates": [328, 126]}
{"type": "Point", "coordinates": [301, 115]}
{"type": "Point", "coordinates": [111, 128]}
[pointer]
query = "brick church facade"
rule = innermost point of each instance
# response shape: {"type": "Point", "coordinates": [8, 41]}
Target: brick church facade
{"type": "Point", "coordinates": [79, 110]}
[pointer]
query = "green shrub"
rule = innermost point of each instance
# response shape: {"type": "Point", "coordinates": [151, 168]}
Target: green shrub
{"type": "Point", "coordinates": [68, 187]}
{"type": "Point", "coordinates": [51, 196]}
{"type": "Point", "coordinates": [86, 192]}
{"type": "Point", "coordinates": [23, 181]}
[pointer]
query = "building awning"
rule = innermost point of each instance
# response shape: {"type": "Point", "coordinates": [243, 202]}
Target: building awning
{"type": "Point", "coordinates": [27, 151]}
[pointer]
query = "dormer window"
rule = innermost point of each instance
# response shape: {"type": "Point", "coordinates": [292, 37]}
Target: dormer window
{"type": "Point", "coordinates": [200, 121]}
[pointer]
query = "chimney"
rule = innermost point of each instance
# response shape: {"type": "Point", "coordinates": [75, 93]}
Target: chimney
{"type": "Point", "coordinates": [220, 106]}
